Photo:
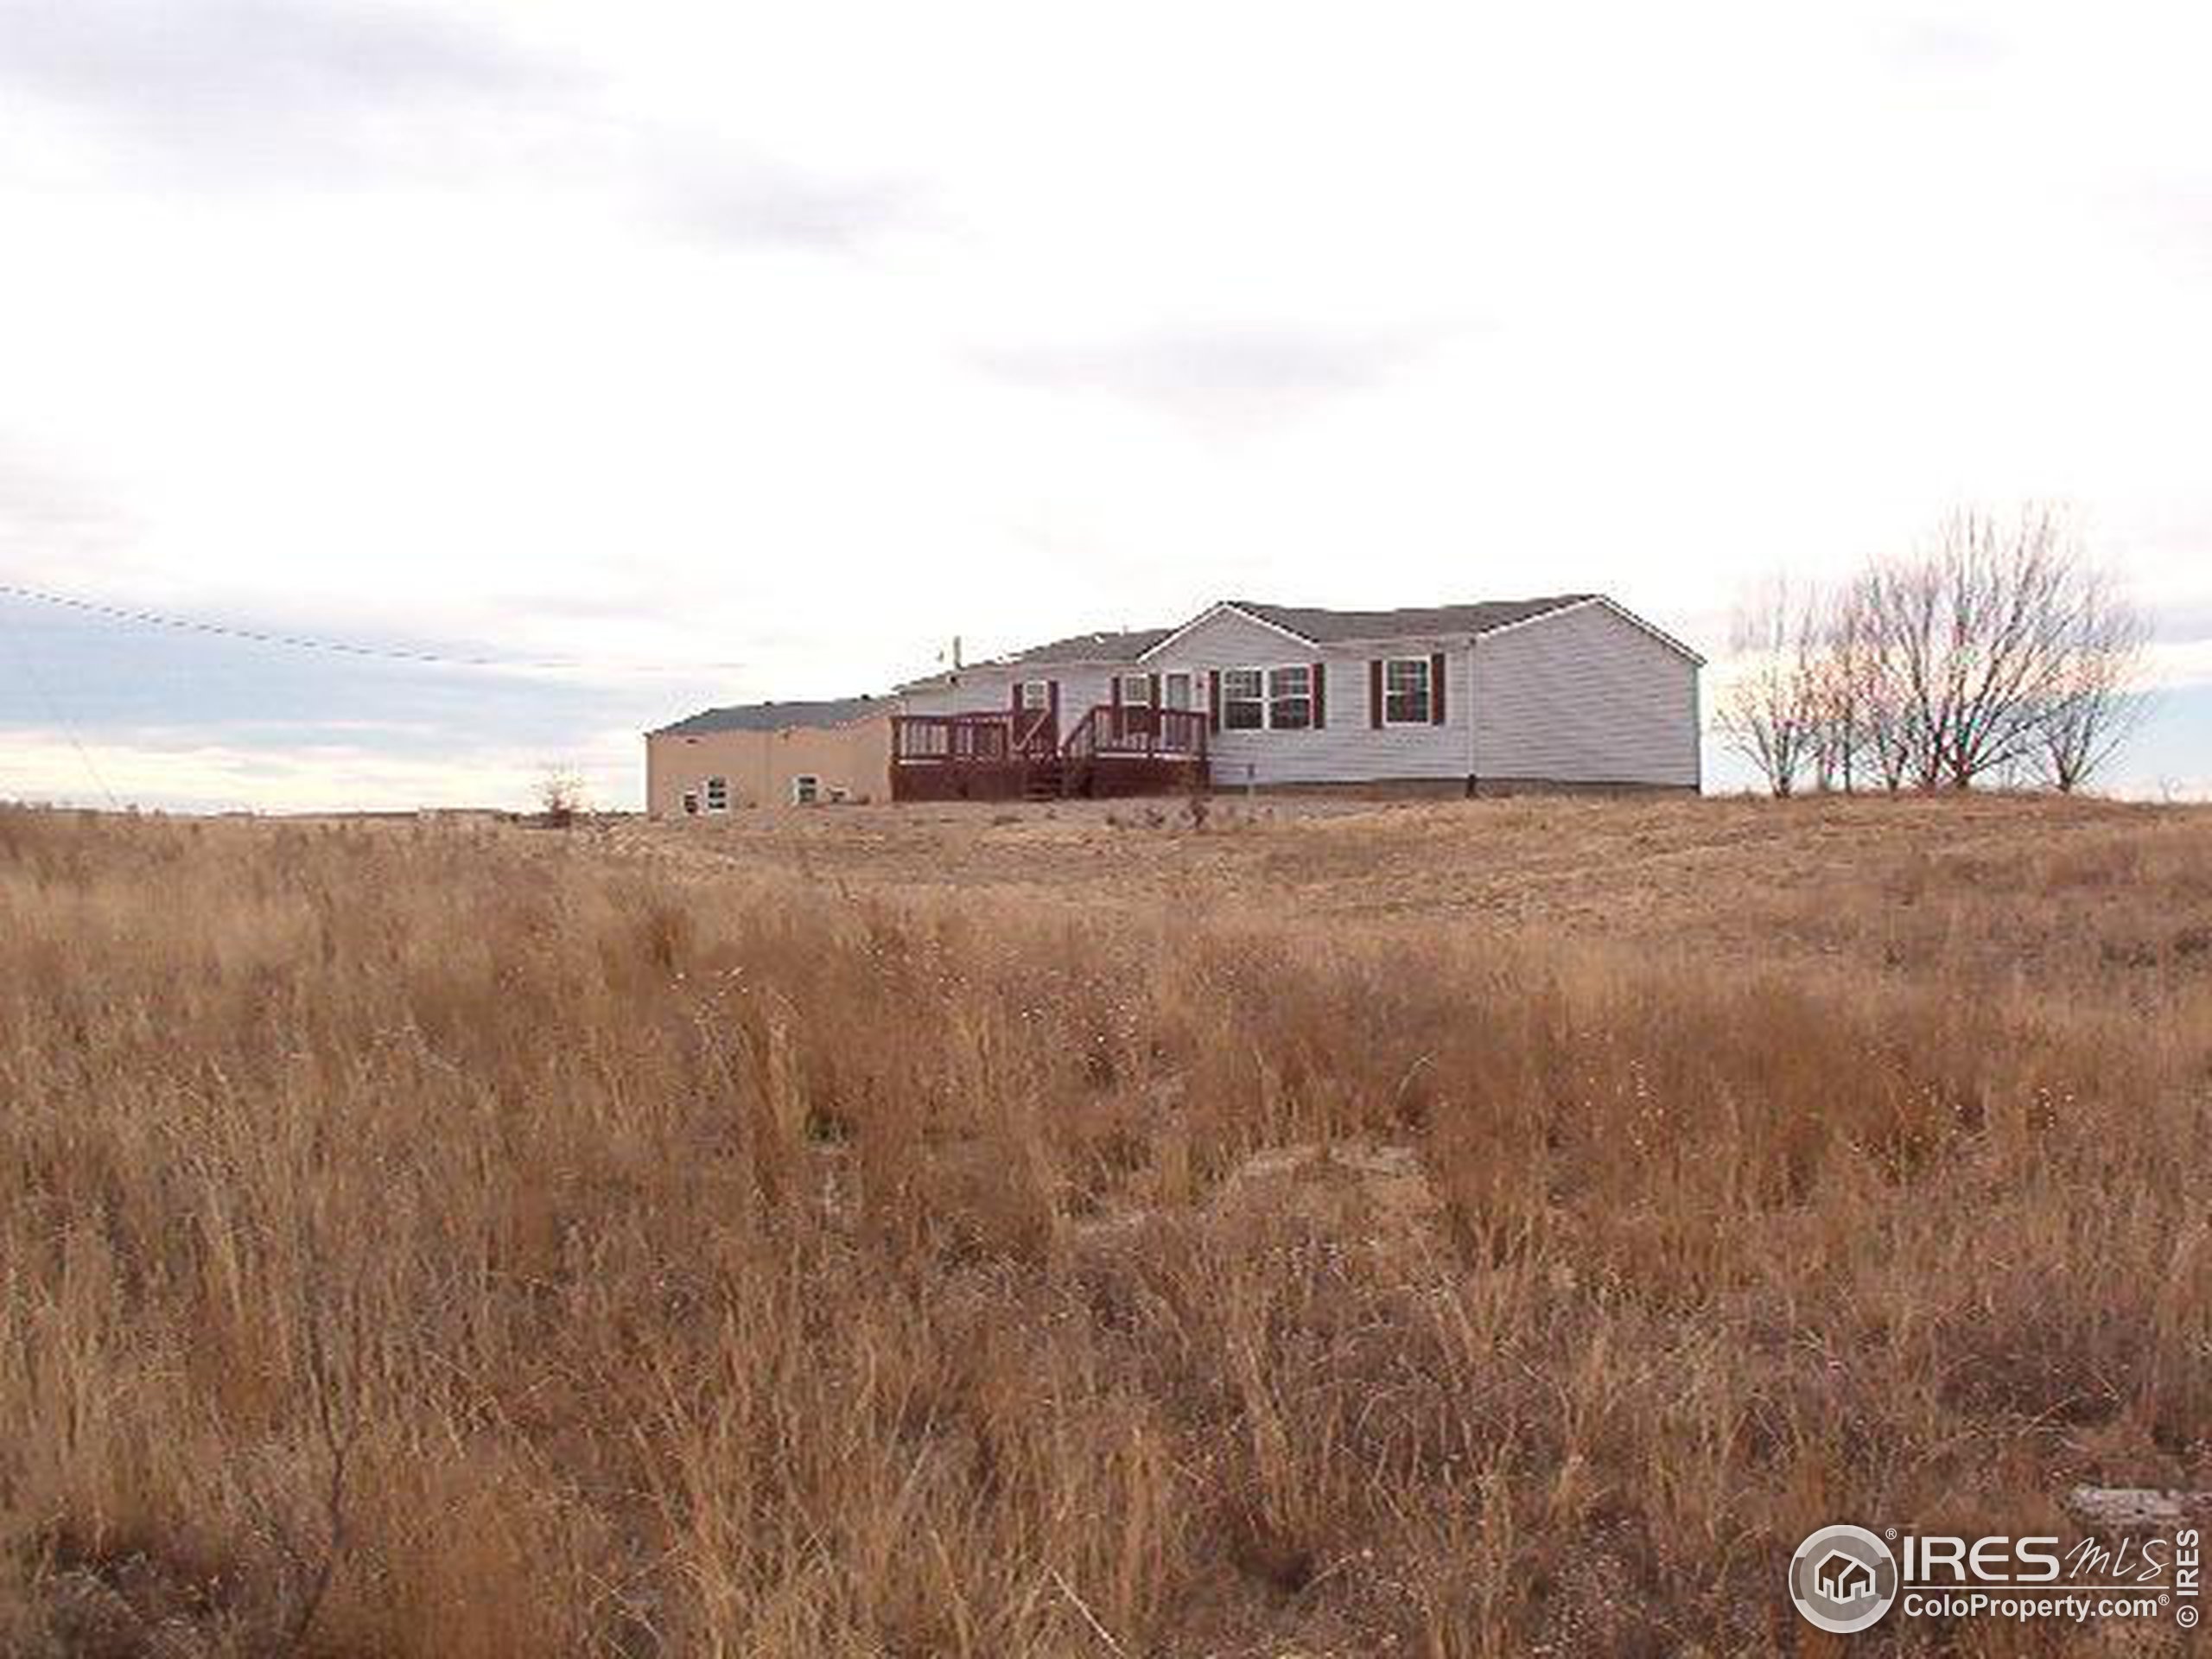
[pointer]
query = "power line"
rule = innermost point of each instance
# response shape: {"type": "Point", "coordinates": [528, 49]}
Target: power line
{"type": "Point", "coordinates": [54, 712]}
{"type": "Point", "coordinates": [340, 647]}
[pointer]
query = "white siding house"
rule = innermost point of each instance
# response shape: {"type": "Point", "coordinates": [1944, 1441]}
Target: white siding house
{"type": "Point", "coordinates": [1566, 691]}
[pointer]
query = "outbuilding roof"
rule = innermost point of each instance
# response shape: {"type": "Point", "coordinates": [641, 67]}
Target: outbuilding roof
{"type": "Point", "coordinates": [775, 716]}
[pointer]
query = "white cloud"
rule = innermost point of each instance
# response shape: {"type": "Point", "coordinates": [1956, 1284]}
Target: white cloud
{"type": "Point", "coordinates": [781, 335]}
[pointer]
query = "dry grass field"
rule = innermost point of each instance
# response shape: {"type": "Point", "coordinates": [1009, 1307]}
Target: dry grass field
{"type": "Point", "coordinates": [1476, 1228]}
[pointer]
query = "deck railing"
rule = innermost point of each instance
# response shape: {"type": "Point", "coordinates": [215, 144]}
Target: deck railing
{"type": "Point", "coordinates": [1138, 729]}
{"type": "Point", "coordinates": [994, 735]}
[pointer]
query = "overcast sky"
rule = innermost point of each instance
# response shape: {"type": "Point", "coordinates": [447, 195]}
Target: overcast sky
{"type": "Point", "coordinates": [724, 353]}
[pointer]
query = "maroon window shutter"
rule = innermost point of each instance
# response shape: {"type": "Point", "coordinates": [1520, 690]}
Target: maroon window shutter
{"type": "Point", "coordinates": [1114, 689]}
{"type": "Point", "coordinates": [1436, 688]}
{"type": "Point", "coordinates": [1152, 681]}
{"type": "Point", "coordinates": [1320, 697]}
{"type": "Point", "coordinates": [1213, 700]}
{"type": "Point", "coordinates": [1375, 693]}
{"type": "Point", "coordinates": [1052, 700]}
{"type": "Point", "coordinates": [1014, 696]}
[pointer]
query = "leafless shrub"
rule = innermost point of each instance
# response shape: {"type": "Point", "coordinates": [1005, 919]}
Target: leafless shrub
{"type": "Point", "coordinates": [561, 796]}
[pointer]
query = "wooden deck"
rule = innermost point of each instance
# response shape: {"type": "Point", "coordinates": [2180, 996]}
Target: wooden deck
{"type": "Point", "coordinates": [1020, 754]}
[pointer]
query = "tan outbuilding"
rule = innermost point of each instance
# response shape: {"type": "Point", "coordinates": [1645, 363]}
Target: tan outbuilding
{"type": "Point", "coordinates": [770, 755]}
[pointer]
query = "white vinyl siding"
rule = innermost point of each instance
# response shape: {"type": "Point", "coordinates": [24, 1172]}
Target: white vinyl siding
{"type": "Point", "coordinates": [1344, 748]}
{"type": "Point", "coordinates": [1083, 686]}
{"type": "Point", "coordinates": [1585, 695]}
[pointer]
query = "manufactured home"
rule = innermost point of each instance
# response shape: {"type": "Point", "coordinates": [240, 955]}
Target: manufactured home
{"type": "Point", "coordinates": [1572, 691]}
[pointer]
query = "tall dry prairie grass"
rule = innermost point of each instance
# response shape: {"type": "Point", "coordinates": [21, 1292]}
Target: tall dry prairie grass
{"type": "Point", "coordinates": [433, 1243]}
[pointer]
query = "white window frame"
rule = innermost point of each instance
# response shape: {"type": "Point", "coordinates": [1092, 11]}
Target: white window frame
{"type": "Point", "coordinates": [1305, 696]}
{"type": "Point", "coordinates": [1258, 699]}
{"type": "Point", "coordinates": [1429, 690]}
{"type": "Point", "coordinates": [1135, 691]}
{"type": "Point", "coordinates": [714, 794]}
{"type": "Point", "coordinates": [806, 789]}
{"type": "Point", "coordinates": [1037, 703]}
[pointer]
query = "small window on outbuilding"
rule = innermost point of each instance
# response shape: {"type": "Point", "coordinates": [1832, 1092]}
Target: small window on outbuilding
{"type": "Point", "coordinates": [806, 789]}
{"type": "Point", "coordinates": [717, 794]}
{"type": "Point", "coordinates": [690, 802]}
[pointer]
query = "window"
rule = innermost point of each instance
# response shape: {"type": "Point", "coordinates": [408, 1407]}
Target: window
{"type": "Point", "coordinates": [1035, 694]}
{"type": "Point", "coordinates": [715, 793]}
{"type": "Point", "coordinates": [1290, 697]}
{"type": "Point", "coordinates": [1405, 692]}
{"type": "Point", "coordinates": [690, 802]}
{"type": "Point", "coordinates": [806, 789]}
{"type": "Point", "coordinates": [1242, 707]}
{"type": "Point", "coordinates": [1135, 689]}
{"type": "Point", "coordinates": [1176, 688]}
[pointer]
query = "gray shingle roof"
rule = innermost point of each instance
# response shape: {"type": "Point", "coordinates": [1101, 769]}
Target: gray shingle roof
{"type": "Point", "coordinates": [1122, 647]}
{"type": "Point", "coordinates": [775, 716]}
{"type": "Point", "coordinates": [1322, 626]}
{"type": "Point", "coordinates": [1327, 627]}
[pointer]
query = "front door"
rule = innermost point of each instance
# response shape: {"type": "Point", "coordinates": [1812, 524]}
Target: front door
{"type": "Point", "coordinates": [1036, 724]}
{"type": "Point", "coordinates": [1177, 692]}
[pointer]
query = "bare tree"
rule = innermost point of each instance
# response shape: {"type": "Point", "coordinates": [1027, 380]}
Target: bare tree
{"type": "Point", "coordinates": [1839, 689]}
{"type": "Point", "coordinates": [1971, 643]}
{"type": "Point", "coordinates": [2008, 598]}
{"type": "Point", "coordinates": [2096, 703]}
{"type": "Point", "coordinates": [1767, 713]}
{"type": "Point", "coordinates": [1998, 650]}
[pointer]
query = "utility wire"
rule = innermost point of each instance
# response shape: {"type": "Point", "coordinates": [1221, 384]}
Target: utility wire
{"type": "Point", "coordinates": [307, 642]}
{"type": "Point", "coordinates": [54, 712]}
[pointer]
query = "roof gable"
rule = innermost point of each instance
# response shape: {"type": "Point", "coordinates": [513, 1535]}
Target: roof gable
{"type": "Point", "coordinates": [1325, 627]}
{"type": "Point", "coordinates": [1616, 609]}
